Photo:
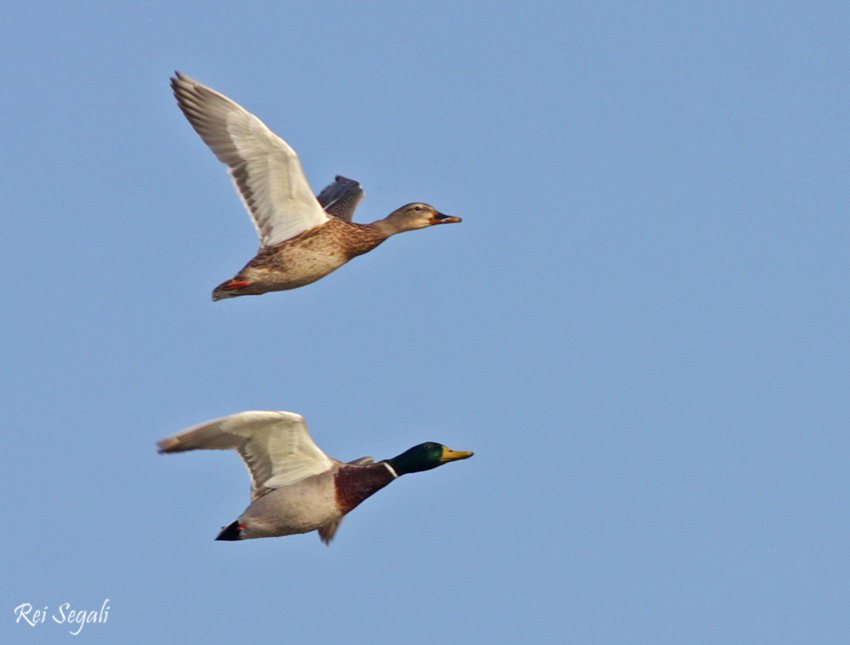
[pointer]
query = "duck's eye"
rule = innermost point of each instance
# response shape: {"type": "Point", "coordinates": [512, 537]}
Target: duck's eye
{"type": "Point", "coordinates": [417, 208]}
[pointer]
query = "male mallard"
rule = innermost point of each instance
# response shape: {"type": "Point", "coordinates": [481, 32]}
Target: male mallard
{"type": "Point", "coordinates": [295, 487]}
{"type": "Point", "coordinates": [302, 239]}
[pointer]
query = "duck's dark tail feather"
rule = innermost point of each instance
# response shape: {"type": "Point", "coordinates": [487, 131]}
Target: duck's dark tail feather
{"type": "Point", "coordinates": [232, 289]}
{"type": "Point", "coordinates": [230, 532]}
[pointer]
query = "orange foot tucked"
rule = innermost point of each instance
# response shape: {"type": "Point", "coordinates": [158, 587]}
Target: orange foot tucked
{"type": "Point", "coordinates": [236, 284]}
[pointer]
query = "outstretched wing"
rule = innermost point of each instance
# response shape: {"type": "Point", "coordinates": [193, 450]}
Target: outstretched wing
{"type": "Point", "coordinates": [275, 446]}
{"type": "Point", "coordinates": [265, 170]}
{"type": "Point", "coordinates": [341, 198]}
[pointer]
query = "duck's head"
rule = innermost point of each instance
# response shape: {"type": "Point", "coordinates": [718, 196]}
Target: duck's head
{"type": "Point", "coordinates": [425, 456]}
{"type": "Point", "coordinates": [415, 216]}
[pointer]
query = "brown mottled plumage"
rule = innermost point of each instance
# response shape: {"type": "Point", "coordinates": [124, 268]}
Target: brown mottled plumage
{"type": "Point", "coordinates": [302, 238]}
{"type": "Point", "coordinates": [302, 259]}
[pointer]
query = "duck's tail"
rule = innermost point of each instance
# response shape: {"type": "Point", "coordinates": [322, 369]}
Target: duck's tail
{"type": "Point", "coordinates": [231, 532]}
{"type": "Point", "coordinates": [230, 289]}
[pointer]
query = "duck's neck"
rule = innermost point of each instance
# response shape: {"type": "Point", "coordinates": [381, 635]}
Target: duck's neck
{"type": "Point", "coordinates": [403, 465]}
{"type": "Point", "coordinates": [357, 239]}
{"type": "Point", "coordinates": [386, 227]}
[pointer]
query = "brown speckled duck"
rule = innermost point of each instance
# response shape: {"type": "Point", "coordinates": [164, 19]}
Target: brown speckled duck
{"type": "Point", "coordinates": [295, 487]}
{"type": "Point", "coordinates": [302, 238]}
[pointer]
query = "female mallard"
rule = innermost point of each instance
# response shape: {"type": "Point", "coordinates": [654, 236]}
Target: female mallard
{"type": "Point", "coordinates": [295, 487]}
{"type": "Point", "coordinates": [302, 238]}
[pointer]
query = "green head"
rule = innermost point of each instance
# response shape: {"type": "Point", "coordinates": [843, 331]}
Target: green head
{"type": "Point", "coordinates": [425, 456]}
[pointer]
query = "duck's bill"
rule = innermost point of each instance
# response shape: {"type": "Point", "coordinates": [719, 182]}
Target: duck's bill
{"type": "Point", "coordinates": [453, 455]}
{"type": "Point", "coordinates": [440, 218]}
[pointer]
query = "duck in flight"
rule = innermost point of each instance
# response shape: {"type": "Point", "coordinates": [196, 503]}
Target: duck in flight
{"type": "Point", "coordinates": [302, 238]}
{"type": "Point", "coordinates": [295, 487]}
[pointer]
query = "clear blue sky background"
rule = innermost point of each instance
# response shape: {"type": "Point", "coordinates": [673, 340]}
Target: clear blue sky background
{"type": "Point", "coordinates": [641, 326]}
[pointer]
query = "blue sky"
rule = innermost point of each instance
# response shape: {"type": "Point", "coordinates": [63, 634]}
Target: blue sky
{"type": "Point", "coordinates": [640, 327]}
